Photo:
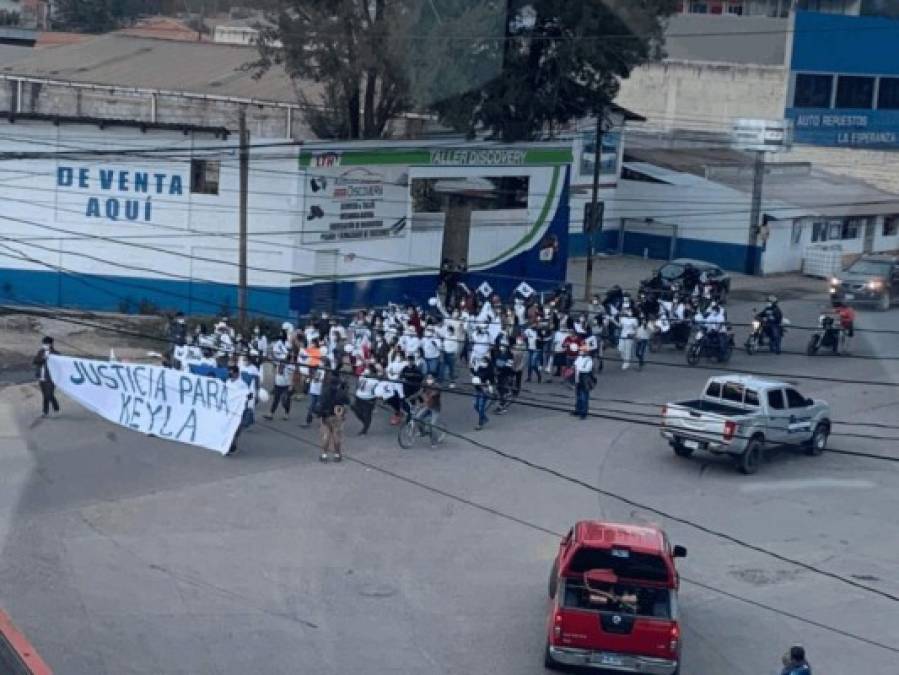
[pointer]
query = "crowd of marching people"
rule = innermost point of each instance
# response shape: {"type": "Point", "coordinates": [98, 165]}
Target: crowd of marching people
{"type": "Point", "coordinates": [403, 356]}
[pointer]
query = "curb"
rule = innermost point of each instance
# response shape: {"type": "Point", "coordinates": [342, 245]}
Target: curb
{"type": "Point", "coordinates": [17, 656]}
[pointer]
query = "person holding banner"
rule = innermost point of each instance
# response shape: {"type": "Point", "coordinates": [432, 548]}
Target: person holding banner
{"type": "Point", "coordinates": [48, 389]}
{"type": "Point", "coordinates": [236, 381]}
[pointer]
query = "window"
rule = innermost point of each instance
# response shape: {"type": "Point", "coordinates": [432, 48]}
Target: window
{"type": "Point", "coordinates": [812, 91]}
{"type": "Point", "coordinates": [735, 8]}
{"type": "Point", "coordinates": [855, 92]}
{"type": "Point", "coordinates": [819, 232]}
{"type": "Point", "coordinates": [732, 392]}
{"type": "Point", "coordinates": [796, 234]}
{"type": "Point", "coordinates": [888, 93]}
{"type": "Point", "coordinates": [890, 226]}
{"type": "Point", "coordinates": [850, 228]}
{"type": "Point", "coordinates": [435, 195]}
{"type": "Point", "coordinates": [795, 399]}
{"type": "Point", "coordinates": [699, 7]}
{"type": "Point", "coordinates": [752, 398]}
{"type": "Point", "coordinates": [714, 390]}
{"type": "Point", "coordinates": [204, 176]}
{"type": "Point", "coordinates": [776, 399]}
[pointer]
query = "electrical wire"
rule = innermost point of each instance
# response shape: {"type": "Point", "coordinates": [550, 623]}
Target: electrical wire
{"type": "Point", "coordinates": [539, 528]}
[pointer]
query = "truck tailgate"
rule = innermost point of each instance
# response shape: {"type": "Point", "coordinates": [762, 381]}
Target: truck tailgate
{"type": "Point", "coordinates": [694, 423]}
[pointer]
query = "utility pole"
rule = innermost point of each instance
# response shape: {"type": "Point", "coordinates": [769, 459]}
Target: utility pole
{"type": "Point", "coordinates": [595, 219]}
{"type": "Point", "coordinates": [755, 212]}
{"type": "Point", "coordinates": [244, 188]}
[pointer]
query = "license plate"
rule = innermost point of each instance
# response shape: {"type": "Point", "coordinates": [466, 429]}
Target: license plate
{"type": "Point", "coordinates": [849, 296]}
{"type": "Point", "coordinates": [608, 660]}
{"type": "Point", "coordinates": [693, 445]}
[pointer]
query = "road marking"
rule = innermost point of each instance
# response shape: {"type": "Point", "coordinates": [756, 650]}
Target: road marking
{"type": "Point", "coordinates": [807, 484]}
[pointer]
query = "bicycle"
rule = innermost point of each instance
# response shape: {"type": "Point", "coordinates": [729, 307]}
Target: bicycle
{"type": "Point", "coordinates": [413, 429]}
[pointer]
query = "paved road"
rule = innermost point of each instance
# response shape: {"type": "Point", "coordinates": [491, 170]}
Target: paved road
{"type": "Point", "coordinates": [122, 554]}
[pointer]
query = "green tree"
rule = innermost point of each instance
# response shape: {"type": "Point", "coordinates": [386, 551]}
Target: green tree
{"type": "Point", "coordinates": [350, 50]}
{"type": "Point", "coordinates": [561, 60]}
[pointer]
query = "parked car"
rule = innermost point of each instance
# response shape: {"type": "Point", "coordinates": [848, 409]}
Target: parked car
{"type": "Point", "coordinates": [684, 273]}
{"type": "Point", "coordinates": [613, 600]}
{"type": "Point", "coordinates": [739, 415]}
{"type": "Point", "coordinates": [872, 279]}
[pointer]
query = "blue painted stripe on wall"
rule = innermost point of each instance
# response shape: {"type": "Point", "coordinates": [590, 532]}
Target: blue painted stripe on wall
{"type": "Point", "coordinates": [846, 44]}
{"type": "Point", "coordinates": [112, 294]}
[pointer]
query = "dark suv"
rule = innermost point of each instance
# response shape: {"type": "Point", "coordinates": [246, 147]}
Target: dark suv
{"type": "Point", "coordinates": [872, 279]}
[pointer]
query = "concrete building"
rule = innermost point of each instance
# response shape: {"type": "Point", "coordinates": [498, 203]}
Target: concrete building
{"type": "Point", "coordinates": [136, 216]}
{"type": "Point", "coordinates": [697, 203]}
{"type": "Point", "coordinates": [156, 81]}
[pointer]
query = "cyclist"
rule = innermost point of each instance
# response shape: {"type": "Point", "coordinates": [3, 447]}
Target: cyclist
{"type": "Point", "coordinates": [429, 410]}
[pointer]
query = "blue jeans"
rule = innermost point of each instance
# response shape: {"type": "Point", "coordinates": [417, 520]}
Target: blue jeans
{"type": "Point", "coordinates": [432, 366]}
{"type": "Point", "coordinates": [582, 401]}
{"type": "Point", "coordinates": [313, 408]}
{"type": "Point", "coordinates": [774, 336]}
{"type": "Point", "coordinates": [535, 362]}
{"type": "Point", "coordinates": [480, 405]}
{"type": "Point", "coordinates": [448, 367]}
{"type": "Point", "coordinates": [641, 351]}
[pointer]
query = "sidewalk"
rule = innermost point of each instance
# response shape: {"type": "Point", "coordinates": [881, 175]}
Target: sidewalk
{"type": "Point", "coordinates": [629, 271]}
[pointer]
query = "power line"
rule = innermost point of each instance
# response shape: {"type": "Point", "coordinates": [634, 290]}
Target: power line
{"type": "Point", "coordinates": [539, 528]}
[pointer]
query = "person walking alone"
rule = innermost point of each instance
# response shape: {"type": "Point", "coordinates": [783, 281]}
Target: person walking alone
{"type": "Point", "coordinates": [583, 378]}
{"type": "Point", "coordinates": [45, 381]}
{"type": "Point", "coordinates": [332, 410]}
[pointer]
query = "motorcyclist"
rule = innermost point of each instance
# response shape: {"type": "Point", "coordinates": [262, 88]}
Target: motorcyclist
{"type": "Point", "coordinates": [845, 318]}
{"type": "Point", "coordinates": [715, 321]}
{"type": "Point", "coordinates": [794, 662]}
{"type": "Point", "coordinates": [773, 323]}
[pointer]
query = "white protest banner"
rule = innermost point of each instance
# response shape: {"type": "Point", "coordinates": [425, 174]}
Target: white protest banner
{"type": "Point", "coordinates": [153, 400]}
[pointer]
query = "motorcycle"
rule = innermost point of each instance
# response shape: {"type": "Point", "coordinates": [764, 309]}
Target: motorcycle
{"type": "Point", "coordinates": [758, 337]}
{"type": "Point", "coordinates": [675, 333]}
{"type": "Point", "coordinates": [706, 345]}
{"type": "Point", "coordinates": [829, 336]}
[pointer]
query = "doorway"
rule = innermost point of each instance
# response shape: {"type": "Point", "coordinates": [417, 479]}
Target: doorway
{"type": "Point", "coordinates": [870, 228]}
{"type": "Point", "coordinates": [456, 231]}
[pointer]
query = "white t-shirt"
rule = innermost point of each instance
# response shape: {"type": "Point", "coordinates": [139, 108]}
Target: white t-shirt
{"type": "Point", "coordinates": [559, 341]}
{"type": "Point", "coordinates": [431, 347]}
{"type": "Point", "coordinates": [628, 327]}
{"type": "Point", "coordinates": [284, 375]}
{"type": "Point", "coordinates": [315, 384]}
{"type": "Point", "coordinates": [450, 343]}
{"type": "Point", "coordinates": [583, 364]}
{"type": "Point", "coordinates": [531, 336]}
{"type": "Point", "coordinates": [365, 388]}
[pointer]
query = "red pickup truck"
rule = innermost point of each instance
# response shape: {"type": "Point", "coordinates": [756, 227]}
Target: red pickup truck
{"type": "Point", "coordinates": [613, 600]}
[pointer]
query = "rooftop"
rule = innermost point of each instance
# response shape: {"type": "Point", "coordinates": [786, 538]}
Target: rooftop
{"type": "Point", "coordinates": [122, 60]}
{"type": "Point", "coordinates": [790, 190]}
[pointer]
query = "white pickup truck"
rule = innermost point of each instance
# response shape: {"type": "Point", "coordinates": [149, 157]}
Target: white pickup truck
{"type": "Point", "coordinates": [740, 415]}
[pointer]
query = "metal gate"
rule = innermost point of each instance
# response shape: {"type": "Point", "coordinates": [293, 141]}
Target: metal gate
{"type": "Point", "coordinates": [647, 238]}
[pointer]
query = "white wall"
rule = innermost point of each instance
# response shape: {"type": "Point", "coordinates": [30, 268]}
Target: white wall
{"type": "Point", "coordinates": [701, 209]}
{"type": "Point", "coordinates": [703, 96]}
{"type": "Point", "coordinates": [196, 232]}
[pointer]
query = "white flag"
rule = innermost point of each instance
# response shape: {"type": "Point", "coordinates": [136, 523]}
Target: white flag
{"type": "Point", "coordinates": [525, 289]}
{"type": "Point", "coordinates": [485, 289]}
{"type": "Point", "coordinates": [156, 401]}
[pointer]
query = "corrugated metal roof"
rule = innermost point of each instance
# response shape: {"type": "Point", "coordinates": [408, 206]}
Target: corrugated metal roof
{"type": "Point", "coordinates": [146, 63]}
{"type": "Point", "coordinates": [789, 190]}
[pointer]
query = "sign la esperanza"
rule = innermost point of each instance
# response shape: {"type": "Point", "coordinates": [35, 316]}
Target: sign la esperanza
{"type": "Point", "coordinates": [118, 194]}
